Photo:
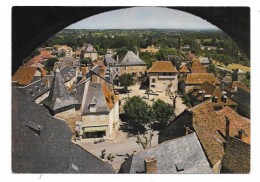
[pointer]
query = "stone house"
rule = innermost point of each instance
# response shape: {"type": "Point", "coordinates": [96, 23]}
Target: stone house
{"type": "Point", "coordinates": [100, 111]}
{"type": "Point", "coordinates": [197, 79]}
{"type": "Point", "coordinates": [89, 52]}
{"type": "Point", "coordinates": [163, 76]}
{"type": "Point", "coordinates": [132, 64]}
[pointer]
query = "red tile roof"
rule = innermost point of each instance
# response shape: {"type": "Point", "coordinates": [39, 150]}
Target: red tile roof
{"type": "Point", "coordinates": [162, 66]}
{"type": "Point", "coordinates": [24, 75]}
{"type": "Point", "coordinates": [184, 69]}
{"type": "Point", "coordinates": [200, 78]}
{"type": "Point", "coordinates": [209, 123]}
{"type": "Point", "coordinates": [199, 70]}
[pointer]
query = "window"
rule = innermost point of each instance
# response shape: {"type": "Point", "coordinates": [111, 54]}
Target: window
{"type": "Point", "coordinates": [153, 86]}
{"type": "Point", "coordinates": [164, 74]}
{"type": "Point", "coordinates": [153, 80]}
{"type": "Point", "coordinates": [170, 73]}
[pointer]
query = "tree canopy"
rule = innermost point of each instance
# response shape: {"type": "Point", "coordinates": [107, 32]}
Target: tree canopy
{"type": "Point", "coordinates": [126, 80]}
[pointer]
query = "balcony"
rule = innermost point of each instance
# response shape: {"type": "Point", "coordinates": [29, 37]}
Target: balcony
{"type": "Point", "coordinates": [167, 77]}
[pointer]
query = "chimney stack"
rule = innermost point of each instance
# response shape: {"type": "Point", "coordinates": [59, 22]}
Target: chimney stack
{"type": "Point", "coordinates": [117, 58]}
{"type": "Point", "coordinates": [227, 126]}
{"type": "Point", "coordinates": [224, 98]}
{"type": "Point", "coordinates": [241, 134]}
{"type": "Point", "coordinates": [150, 164]}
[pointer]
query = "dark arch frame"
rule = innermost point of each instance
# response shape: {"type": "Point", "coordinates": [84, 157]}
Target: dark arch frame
{"type": "Point", "coordinates": [33, 25]}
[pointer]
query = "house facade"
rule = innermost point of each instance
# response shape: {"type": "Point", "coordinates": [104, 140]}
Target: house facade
{"type": "Point", "coordinates": [163, 76]}
{"type": "Point", "coordinates": [100, 113]}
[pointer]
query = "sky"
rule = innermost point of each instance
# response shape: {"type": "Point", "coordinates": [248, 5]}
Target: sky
{"type": "Point", "coordinates": [143, 17]}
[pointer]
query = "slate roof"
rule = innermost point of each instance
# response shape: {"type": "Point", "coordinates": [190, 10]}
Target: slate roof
{"type": "Point", "coordinates": [185, 151]}
{"type": "Point", "coordinates": [95, 91]}
{"type": "Point", "coordinates": [131, 59]}
{"type": "Point", "coordinates": [90, 48]}
{"type": "Point", "coordinates": [67, 73]}
{"type": "Point", "coordinates": [58, 98]}
{"type": "Point", "coordinates": [162, 67]}
{"type": "Point", "coordinates": [200, 78]}
{"type": "Point", "coordinates": [242, 97]}
{"type": "Point", "coordinates": [78, 91]}
{"type": "Point", "coordinates": [109, 60]}
{"type": "Point", "coordinates": [237, 157]}
{"type": "Point", "coordinates": [184, 69]}
{"type": "Point", "coordinates": [24, 75]}
{"type": "Point", "coordinates": [48, 151]}
{"type": "Point", "coordinates": [37, 88]}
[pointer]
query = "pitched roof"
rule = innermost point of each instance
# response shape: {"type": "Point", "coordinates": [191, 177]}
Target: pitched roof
{"type": "Point", "coordinates": [109, 60]}
{"type": "Point", "coordinates": [199, 78]}
{"type": "Point", "coordinates": [198, 70]}
{"type": "Point", "coordinates": [210, 126]}
{"type": "Point", "coordinates": [232, 86]}
{"type": "Point", "coordinates": [196, 63]}
{"type": "Point", "coordinates": [67, 73]}
{"type": "Point", "coordinates": [161, 67]}
{"type": "Point", "coordinates": [35, 59]}
{"type": "Point", "coordinates": [37, 88]}
{"type": "Point", "coordinates": [184, 69]}
{"type": "Point", "coordinates": [46, 54]}
{"type": "Point", "coordinates": [49, 150]}
{"type": "Point", "coordinates": [95, 91]}
{"type": "Point", "coordinates": [242, 97]}
{"type": "Point", "coordinates": [58, 98]}
{"type": "Point", "coordinates": [131, 59]}
{"type": "Point", "coordinates": [237, 157]}
{"type": "Point", "coordinates": [185, 151]}
{"type": "Point", "coordinates": [24, 75]}
{"type": "Point", "coordinates": [208, 89]}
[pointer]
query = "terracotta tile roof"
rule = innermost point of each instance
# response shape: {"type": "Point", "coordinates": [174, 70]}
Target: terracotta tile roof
{"type": "Point", "coordinates": [36, 59]}
{"type": "Point", "coordinates": [46, 54]}
{"type": "Point", "coordinates": [209, 123]}
{"type": "Point", "coordinates": [162, 66]}
{"type": "Point", "coordinates": [196, 63]}
{"type": "Point", "coordinates": [212, 90]}
{"type": "Point", "coordinates": [24, 75]}
{"type": "Point", "coordinates": [232, 86]}
{"type": "Point", "coordinates": [84, 70]}
{"type": "Point", "coordinates": [184, 69]}
{"type": "Point", "coordinates": [199, 70]}
{"type": "Point", "coordinates": [109, 95]}
{"type": "Point", "coordinates": [200, 78]}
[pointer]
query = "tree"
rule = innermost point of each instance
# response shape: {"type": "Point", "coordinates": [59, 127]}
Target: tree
{"type": "Point", "coordinates": [137, 114]}
{"type": "Point", "coordinates": [162, 111]}
{"type": "Point", "coordinates": [49, 64]}
{"type": "Point", "coordinates": [126, 80]}
{"type": "Point", "coordinates": [86, 61]}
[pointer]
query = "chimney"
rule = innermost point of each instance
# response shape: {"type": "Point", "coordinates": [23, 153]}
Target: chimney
{"type": "Point", "coordinates": [137, 52]}
{"type": "Point", "coordinates": [235, 88]}
{"type": "Point", "coordinates": [241, 134]}
{"type": "Point", "coordinates": [227, 127]}
{"type": "Point", "coordinates": [215, 99]}
{"type": "Point", "coordinates": [150, 164]}
{"type": "Point", "coordinates": [117, 58]}
{"type": "Point", "coordinates": [224, 98]}
{"type": "Point", "coordinates": [213, 83]}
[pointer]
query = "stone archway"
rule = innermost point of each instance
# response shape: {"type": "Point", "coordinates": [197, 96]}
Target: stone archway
{"type": "Point", "coordinates": [33, 25]}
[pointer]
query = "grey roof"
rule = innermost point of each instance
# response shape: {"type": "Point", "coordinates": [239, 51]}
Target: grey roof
{"type": "Point", "coordinates": [185, 151]}
{"type": "Point", "coordinates": [58, 98]}
{"type": "Point", "coordinates": [95, 91]}
{"type": "Point", "coordinates": [131, 59]}
{"type": "Point", "coordinates": [96, 69]}
{"type": "Point", "coordinates": [242, 97]}
{"type": "Point", "coordinates": [109, 60]}
{"type": "Point", "coordinates": [67, 73]}
{"type": "Point", "coordinates": [37, 88]}
{"type": "Point", "coordinates": [49, 150]}
{"type": "Point", "coordinates": [78, 91]}
{"type": "Point", "coordinates": [90, 48]}
{"type": "Point", "coordinates": [204, 60]}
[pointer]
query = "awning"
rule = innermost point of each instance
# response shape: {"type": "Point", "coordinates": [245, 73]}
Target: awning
{"type": "Point", "coordinates": [95, 129]}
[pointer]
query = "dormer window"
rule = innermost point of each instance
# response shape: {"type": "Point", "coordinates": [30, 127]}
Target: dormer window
{"type": "Point", "coordinates": [93, 105]}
